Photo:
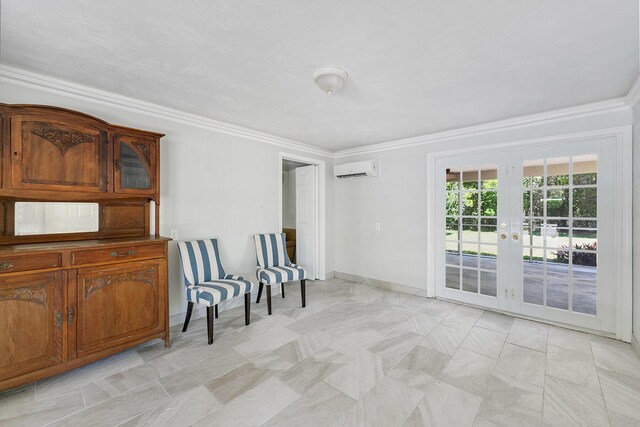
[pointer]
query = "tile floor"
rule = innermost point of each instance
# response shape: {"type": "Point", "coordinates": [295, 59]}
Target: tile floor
{"type": "Point", "coordinates": [357, 355]}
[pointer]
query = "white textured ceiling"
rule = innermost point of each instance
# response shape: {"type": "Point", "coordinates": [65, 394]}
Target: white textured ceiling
{"type": "Point", "coordinates": [416, 66]}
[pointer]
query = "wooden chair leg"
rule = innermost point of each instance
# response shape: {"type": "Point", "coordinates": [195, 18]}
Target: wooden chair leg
{"type": "Point", "coordinates": [303, 292]}
{"type": "Point", "coordinates": [282, 289]}
{"type": "Point", "coordinates": [269, 300]}
{"type": "Point", "coordinates": [188, 316]}
{"type": "Point", "coordinates": [260, 286]}
{"type": "Point", "coordinates": [216, 311]}
{"type": "Point", "coordinates": [210, 323]}
{"type": "Point", "coordinates": [247, 308]}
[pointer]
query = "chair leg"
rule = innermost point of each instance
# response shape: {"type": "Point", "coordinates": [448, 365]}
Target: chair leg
{"type": "Point", "coordinates": [303, 292]}
{"type": "Point", "coordinates": [210, 324]}
{"type": "Point", "coordinates": [259, 292]}
{"type": "Point", "coordinates": [216, 311]}
{"type": "Point", "coordinates": [269, 300]}
{"type": "Point", "coordinates": [247, 308]}
{"type": "Point", "coordinates": [188, 316]}
{"type": "Point", "coordinates": [282, 289]}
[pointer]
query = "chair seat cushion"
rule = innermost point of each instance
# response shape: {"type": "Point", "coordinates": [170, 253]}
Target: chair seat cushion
{"type": "Point", "coordinates": [281, 274]}
{"type": "Point", "coordinates": [214, 292]}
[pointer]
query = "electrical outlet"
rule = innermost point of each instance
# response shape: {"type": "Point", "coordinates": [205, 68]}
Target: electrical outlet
{"type": "Point", "coordinates": [377, 226]}
{"type": "Point", "coordinates": [174, 234]}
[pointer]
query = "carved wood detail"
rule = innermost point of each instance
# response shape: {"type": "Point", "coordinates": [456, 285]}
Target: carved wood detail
{"type": "Point", "coordinates": [62, 139]}
{"type": "Point", "coordinates": [144, 149]}
{"type": "Point", "coordinates": [95, 284]}
{"type": "Point", "coordinates": [35, 294]}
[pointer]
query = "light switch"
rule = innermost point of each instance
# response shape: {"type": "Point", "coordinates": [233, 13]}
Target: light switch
{"type": "Point", "coordinates": [174, 234]}
{"type": "Point", "coordinates": [377, 226]}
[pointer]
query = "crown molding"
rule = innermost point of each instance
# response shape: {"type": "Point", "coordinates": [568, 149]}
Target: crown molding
{"type": "Point", "coordinates": [609, 106]}
{"type": "Point", "coordinates": [633, 97]}
{"type": "Point", "coordinates": [19, 77]}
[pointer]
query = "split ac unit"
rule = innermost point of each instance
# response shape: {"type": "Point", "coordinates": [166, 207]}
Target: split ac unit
{"type": "Point", "coordinates": [355, 169]}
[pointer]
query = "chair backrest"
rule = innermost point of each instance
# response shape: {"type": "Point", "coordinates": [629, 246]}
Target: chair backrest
{"type": "Point", "coordinates": [200, 261]}
{"type": "Point", "coordinates": [271, 250]}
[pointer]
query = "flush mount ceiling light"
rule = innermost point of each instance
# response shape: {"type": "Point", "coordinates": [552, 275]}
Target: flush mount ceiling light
{"type": "Point", "coordinates": [330, 79]}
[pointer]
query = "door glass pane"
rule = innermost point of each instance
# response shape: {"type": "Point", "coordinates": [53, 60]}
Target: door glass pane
{"type": "Point", "coordinates": [488, 257]}
{"type": "Point", "coordinates": [471, 229]}
{"type": "Point", "coordinates": [488, 283]}
{"type": "Point", "coordinates": [453, 278]}
{"type": "Point", "coordinates": [533, 289]}
{"type": "Point", "coordinates": [488, 177]}
{"type": "Point", "coordinates": [560, 253]}
{"type": "Point", "coordinates": [585, 202]}
{"type": "Point", "coordinates": [133, 174]}
{"type": "Point", "coordinates": [584, 296]}
{"type": "Point", "coordinates": [470, 280]}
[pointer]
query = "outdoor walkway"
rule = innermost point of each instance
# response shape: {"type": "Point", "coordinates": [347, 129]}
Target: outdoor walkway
{"type": "Point", "coordinates": [557, 277]}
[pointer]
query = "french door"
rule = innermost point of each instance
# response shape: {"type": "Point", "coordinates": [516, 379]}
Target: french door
{"type": "Point", "coordinates": [530, 230]}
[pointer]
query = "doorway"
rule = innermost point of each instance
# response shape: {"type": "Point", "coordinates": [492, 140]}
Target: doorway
{"type": "Point", "coordinates": [301, 215]}
{"type": "Point", "coordinates": [532, 230]}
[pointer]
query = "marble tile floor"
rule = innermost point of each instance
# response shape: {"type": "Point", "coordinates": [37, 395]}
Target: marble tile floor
{"type": "Point", "coordinates": [355, 356]}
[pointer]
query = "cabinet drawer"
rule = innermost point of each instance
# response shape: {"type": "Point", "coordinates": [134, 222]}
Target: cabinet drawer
{"type": "Point", "coordinates": [117, 254]}
{"type": "Point", "coordinates": [10, 264]}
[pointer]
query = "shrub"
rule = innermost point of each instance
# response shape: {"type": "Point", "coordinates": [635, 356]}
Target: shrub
{"type": "Point", "coordinates": [579, 258]}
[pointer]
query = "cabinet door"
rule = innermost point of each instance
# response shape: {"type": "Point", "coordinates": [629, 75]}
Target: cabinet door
{"type": "Point", "coordinates": [118, 304]}
{"type": "Point", "coordinates": [135, 163]}
{"type": "Point", "coordinates": [31, 323]}
{"type": "Point", "coordinates": [51, 153]}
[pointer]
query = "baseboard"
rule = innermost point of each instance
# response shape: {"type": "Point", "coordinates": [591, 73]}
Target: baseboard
{"type": "Point", "coordinates": [329, 275]}
{"type": "Point", "coordinates": [381, 284]}
{"type": "Point", "coordinates": [635, 345]}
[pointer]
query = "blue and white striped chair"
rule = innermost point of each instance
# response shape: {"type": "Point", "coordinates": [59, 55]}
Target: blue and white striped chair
{"type": "Point", "coordinates": [275, 267]}
{"type": "Point", "coordinates": [206, 282]}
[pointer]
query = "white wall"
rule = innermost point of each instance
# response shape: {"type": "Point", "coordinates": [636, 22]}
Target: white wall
{"type": "Point", "coordinates": [212, 184]}
{"type": "Point", "coordinates": [289, 199]}
{"type": "Point", "coordinates": [397, 199]}
{"type": "Point", "coordinates": [636, 222]}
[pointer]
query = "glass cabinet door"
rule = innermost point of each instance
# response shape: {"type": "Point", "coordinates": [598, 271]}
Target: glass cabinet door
{"type": "Point", "coordinates": [134, 166]}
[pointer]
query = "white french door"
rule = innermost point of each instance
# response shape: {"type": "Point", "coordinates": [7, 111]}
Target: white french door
{"type": "Point", "coordinates": [306, 223]}
{"type": "Point", "coordinates": [530, 230]}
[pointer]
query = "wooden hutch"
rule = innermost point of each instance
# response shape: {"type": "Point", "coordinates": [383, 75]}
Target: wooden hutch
{"type": "Point", "coordinates": [68, 299]}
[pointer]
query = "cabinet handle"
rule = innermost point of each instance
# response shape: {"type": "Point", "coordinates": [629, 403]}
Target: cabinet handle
{"type": "Point", "coordinates": [6, 265]}
{"type": "Point", "coordinates": [70, 316]}
{"type": "Point", "coordinates": [117, 165]}
{"type": "Point", "coordinates": [129, 252]}
{"type": "Point", "coordinates": [58, 319]}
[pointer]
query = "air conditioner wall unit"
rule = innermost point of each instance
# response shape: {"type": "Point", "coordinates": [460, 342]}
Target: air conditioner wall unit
{"type": "Point", "coordinates": [356, 169]}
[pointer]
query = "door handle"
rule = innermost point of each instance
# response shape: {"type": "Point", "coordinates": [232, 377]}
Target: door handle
{"type": "Point", "coordinates": [503, 236]}
{"type": "Point", "coordinates": [6, 265]}
{"type": "Point", "coordinates": [515, 236]}
{"type": "Point", "coordinates": [117, 254]}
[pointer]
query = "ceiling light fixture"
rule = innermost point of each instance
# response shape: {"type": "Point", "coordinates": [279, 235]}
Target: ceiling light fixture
{"type": "Point", "coordinates": [330, 79]}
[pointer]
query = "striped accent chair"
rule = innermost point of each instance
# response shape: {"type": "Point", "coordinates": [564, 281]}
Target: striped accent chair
{"type": "Point", "coordinates": [207, 283]}
{"type": "Point", "coordinates": [274, 266]}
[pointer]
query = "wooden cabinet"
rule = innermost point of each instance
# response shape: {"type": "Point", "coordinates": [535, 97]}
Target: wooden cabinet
{"type": "Point", "coordinates": [55, 318]}
{"type": "Point", "coordinates": [48, 152]}
{"type": "Point", "coordinates": [118, 304]}
{"type": "Point", "coordinates": [135, 164]}
{"type": "Point", "coordinates": [31, 324]}
{"type": "Point", "coordinates": [69, 299]}
{"type": "Point", "coordinates": [53, 153]}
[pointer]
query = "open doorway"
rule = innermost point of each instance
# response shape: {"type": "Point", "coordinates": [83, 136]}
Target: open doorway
{"type": "Point", "coordinates": [301, 215]}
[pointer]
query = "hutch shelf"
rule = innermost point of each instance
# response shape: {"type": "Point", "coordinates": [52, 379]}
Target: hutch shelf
{"type": "Point", "coordinates": [71, 298]}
